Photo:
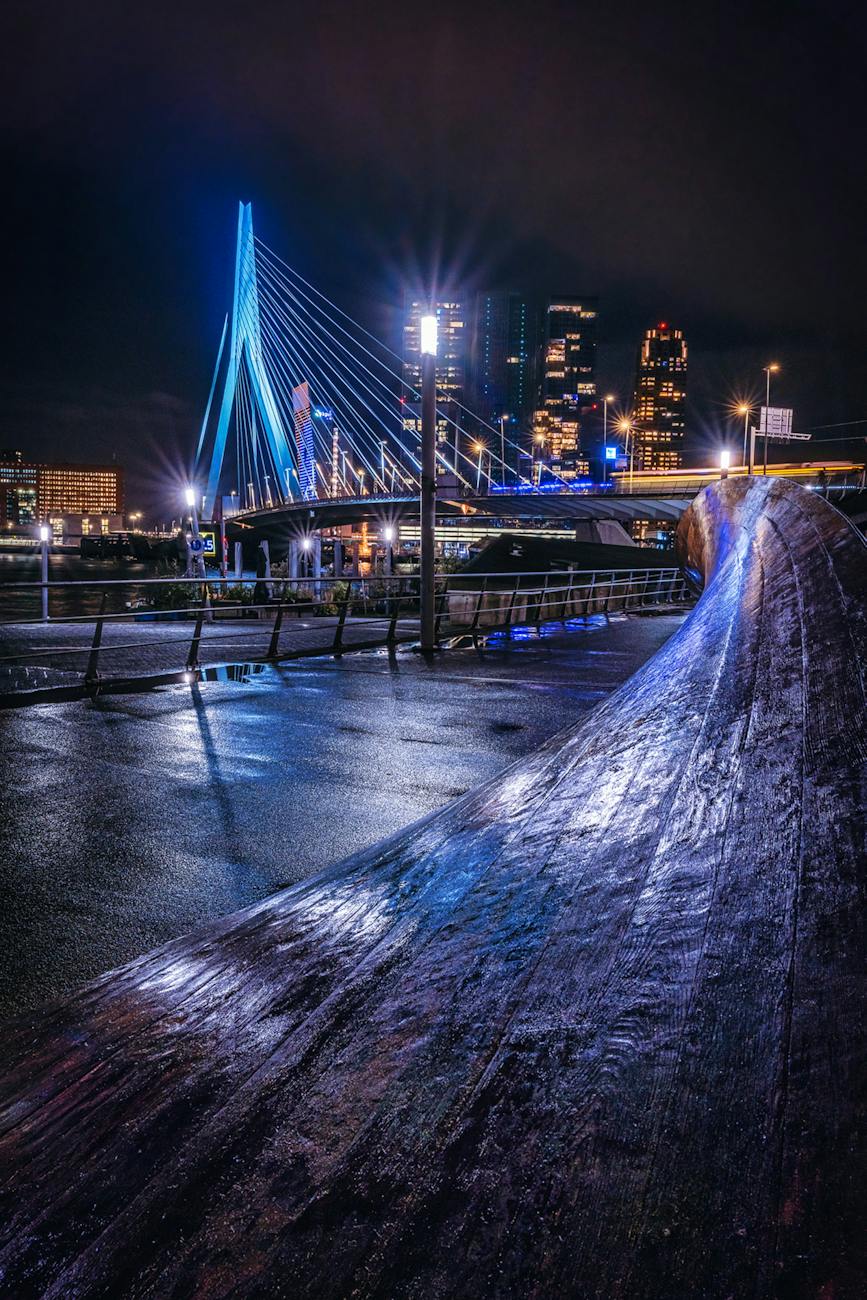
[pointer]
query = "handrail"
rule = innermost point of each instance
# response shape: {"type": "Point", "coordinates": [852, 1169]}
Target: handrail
{"type": "Point", "coordinates": [474, 611]}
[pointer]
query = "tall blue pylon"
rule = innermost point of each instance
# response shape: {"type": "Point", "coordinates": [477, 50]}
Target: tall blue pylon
{"type": "Point", "coordinates": [245, 345]}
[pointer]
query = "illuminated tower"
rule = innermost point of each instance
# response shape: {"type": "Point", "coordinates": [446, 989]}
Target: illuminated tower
{"type": "Point", "coordinates": [660, 399]}
{"type": "Point", "coordinates": [245, 349]}
{"type": "Point", "coordinates": [568, 383]}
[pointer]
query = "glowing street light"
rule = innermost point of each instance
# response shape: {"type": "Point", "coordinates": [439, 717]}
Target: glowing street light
{"type": "Point", "coordinates": [429, 336]}
{"type": "Point", "coordinates": [479, 447]}
{"type": "Point", "coordinates": [770, 369]}
{"type": "Point", "coordinates": [388, 533]}
{"type": "Point", "coordinates": [44, 538]}
{"type": "Point", "coordinates": [627, 428]}
{"type": "Point", "coordinates": [427, 499]}
{"type": "Point", "coordinates": [609, 397]}
{"type": "Point", "coordinates": [725, 460]}
{"type": "Point", "coordinates": [744, 409]}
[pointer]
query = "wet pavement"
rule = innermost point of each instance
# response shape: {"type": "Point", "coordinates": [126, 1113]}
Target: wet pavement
{"type": "Point", "coordinates": [132, 819]}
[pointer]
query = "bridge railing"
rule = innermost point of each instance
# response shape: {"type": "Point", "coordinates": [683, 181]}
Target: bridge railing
{"type": "Point", "coordinates": [182, 629]}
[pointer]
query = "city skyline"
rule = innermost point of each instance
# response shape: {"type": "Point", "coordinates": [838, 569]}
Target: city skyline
{"type": "Point", "coordinates": [129, 141]}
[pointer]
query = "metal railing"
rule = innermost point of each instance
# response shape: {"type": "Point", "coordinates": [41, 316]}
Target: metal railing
{"type": "Point", "coordinates": [307, 617]}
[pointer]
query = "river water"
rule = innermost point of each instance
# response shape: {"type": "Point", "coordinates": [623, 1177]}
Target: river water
{"type": "Point", "coordinates": [20, 602]}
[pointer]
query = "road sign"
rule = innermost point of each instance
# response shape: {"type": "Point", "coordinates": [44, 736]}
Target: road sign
{"type": "Point", "coordinates": [197, 545]}
{"type": "Point", "coordinates": [610, 453]}
{"type": "Point", "coordinates": [775, 422]}
{"type": "Point", "coordinates": [210, 540]}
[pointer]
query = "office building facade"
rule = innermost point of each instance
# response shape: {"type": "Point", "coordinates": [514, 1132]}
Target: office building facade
{"type": "Point", "coordinates": [660, 399]}
{"type": "Point", "coordinates": [504, 357]}
{"type": "Point", "coordinates": [567, 387]}
{"type": "Point", "coordinates": [33, 492]}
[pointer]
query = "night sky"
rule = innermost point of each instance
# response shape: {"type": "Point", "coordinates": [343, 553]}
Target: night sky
{"type": "Point", "coordinates": [702, 164]}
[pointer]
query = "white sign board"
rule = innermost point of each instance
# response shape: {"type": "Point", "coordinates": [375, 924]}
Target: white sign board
{"type": "Point", "coordinates": [775, 422]}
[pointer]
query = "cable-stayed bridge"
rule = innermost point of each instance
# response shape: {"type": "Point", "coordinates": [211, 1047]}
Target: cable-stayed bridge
{"type": "Point", "coordinates": [310, 415]}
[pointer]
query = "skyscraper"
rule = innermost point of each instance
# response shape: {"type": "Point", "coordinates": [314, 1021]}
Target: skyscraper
{"type": "Point", "coordinates": [451, 368]}
{"type": "Point", "coordinates": [660, 399]}
{"type": "Point", "coordinates": [568, 384]}
{"type": "Point", "coordinates": [504, 366]}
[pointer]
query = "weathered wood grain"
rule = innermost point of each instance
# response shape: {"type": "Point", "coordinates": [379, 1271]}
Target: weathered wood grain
{"type": "Point", "coordinates": [597, 1030]}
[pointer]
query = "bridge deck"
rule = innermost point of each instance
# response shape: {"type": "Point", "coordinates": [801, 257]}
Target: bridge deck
{"type": "Point", "coordinates": [597, 1029]}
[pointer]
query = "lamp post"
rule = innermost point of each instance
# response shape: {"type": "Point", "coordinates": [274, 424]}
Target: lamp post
{"type": "Point", "coordinates": [627, 428]}
{"type": "Point", "coordinates": [44, 538]}
{"type": "Point", "coordinates": [769, 370]}
{"type": "Point", "coordinates": [480, 448]}
{"type": "Point", "coordinates": [503, 419]}
{"type": "Point", "coordinates": [608, 398]}
{"type": "Point", "coordinates": [427, 500]}
{"type": "Point", "coordinates": [190, 495]}
{"type": "Point", "coordinates": [744, 410]}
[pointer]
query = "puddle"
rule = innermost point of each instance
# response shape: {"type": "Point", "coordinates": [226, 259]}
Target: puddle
{"type": "Point", "coordinates": [231, 672]}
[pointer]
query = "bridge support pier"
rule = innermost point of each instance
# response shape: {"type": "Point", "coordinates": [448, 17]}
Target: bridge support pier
{"type": "Point", "coordinates": [293, 561]}
{"type": "Point", "coordinates": [338, 558]}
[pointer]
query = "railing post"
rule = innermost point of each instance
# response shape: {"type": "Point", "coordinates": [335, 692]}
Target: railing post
{"type": "Point", "coordinates": [91, 676]}
{"type": "Point", "coordinates": [511, 613]}
{"type": "Point", "coordinates": [542, 594]}
{"type": "Point", "coordinates": [475, 622]}
{"type": "Point", "coordinates": [394, 597]}
{"type": "Point", "coordinates": [439, 614]}
{"type": "Point", "coordinates": [567, 603]}
{"type": "Point", "coordinates": [274, 643]}
{"type": "Point", "coordinates": [341, 619]}
{"type": "Point", "coordinates": [193, 656]}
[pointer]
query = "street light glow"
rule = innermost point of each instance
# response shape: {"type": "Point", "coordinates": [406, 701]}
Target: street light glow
{"type": "Point", "coordinates": [429, 335]}
{"type": "Point", "coordinates": [725, 458]}
{"type": "Point", "coordinates": [306, 543]}
{"type": "Point", "coordinates": [388, 533]}
{"type": "Point", "coordinates": [190, 496]}
{"type": "Point", "coordinates": [44, 532]}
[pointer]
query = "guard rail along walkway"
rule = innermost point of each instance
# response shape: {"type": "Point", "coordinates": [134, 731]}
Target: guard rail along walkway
{"type": "Point", "coordinates": [113, 648]}
{"type": "Point", "coordinates": [597, 1029]}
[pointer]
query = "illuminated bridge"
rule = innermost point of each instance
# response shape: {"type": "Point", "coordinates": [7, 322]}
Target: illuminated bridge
{"type": "Point", "coordinates": [310, 425]}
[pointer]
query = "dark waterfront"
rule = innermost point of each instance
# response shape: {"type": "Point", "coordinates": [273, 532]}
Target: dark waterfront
{"type": "Point", "coordinates": [134, 819]}
{"type": "Point", "coordinates": [65, 567]}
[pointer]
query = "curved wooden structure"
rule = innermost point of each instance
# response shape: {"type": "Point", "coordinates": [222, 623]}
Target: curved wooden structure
{"type": "Point", "coordinates": [595, 1030]}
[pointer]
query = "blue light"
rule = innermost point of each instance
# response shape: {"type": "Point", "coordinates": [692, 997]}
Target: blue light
{"type": "Point", "coordinates": [610, 453]}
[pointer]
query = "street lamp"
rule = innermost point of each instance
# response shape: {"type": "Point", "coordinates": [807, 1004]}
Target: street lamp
{"type": "Point", "coordinates": [190, 498]}
{"type": "Point", "coordinates": [427, 496]}
{"type": "Point", "coordinates": [503, 419]}
{"type": "Point", "coordinates": [743, 408]}
{"type": "Point", "coordinates": [608, 398]}
{"type": "Point", "coordinates": [44, 538]}
{"type": "Point", "coordinates": [627, 428]}
{"type": "Point", "coordinates": [725, 460]}
{"type": "Point", "coordinates": [770, 369]}
{"type": "Point", "coordinates": [479, 447]}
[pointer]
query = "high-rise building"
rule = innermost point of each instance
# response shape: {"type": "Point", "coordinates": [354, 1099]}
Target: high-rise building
{"type": "Point", "coordinates": [660, 399]}
{"type": "Point", "coordinates": [567, 384]}
{"type": "Point", "coordinates": [504, 356]}
{"type": "Point", "coordinates": [451, 373]}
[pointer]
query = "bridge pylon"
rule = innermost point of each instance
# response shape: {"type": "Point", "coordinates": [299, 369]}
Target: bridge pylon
{"type": "Point", "coordinates": [245, 348]}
